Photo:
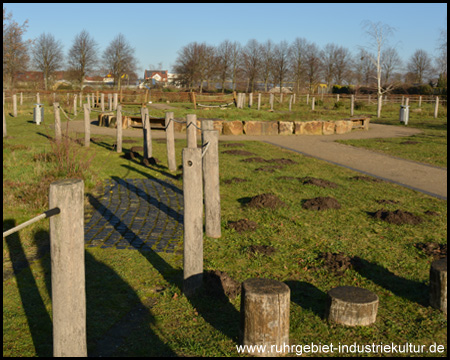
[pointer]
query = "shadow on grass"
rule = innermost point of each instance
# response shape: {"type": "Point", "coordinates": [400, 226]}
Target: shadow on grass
{"type": "Point", "coordinates": [308, 297]}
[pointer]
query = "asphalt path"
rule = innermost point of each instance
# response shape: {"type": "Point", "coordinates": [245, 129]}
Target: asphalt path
{"type": "Point", "coordinates": [428, 179]}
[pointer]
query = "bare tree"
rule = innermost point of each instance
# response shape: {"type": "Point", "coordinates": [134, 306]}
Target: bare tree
{"type": "Point", "coordinates": [364, 70]}
{"type": "Point", "coordinates": [280, 63]}
{"type": "Point", "coordinates": [236, 50]}
{"type": "Point", "coordinates": [47, 56]}
{"type": "Point", "coordinates": [15, 54]}
{"type": "Point", "coordinates": [329, 55]}
{"type": "Point", "coordinates": [378, 34]}
{"type": "Point", "coordinates": [266, 51]}
{"type": "Point", "coordinates": [442, 57]}
{"type": "Point", "coordinates": [119, 59]}
{"type": "Point", "coordinates": [224, 61]}
{"type": "Point", "coordinates": [312, 65]}
{"type": "Point", "coordinates": [82, 56]}
{"type": "Point", "coordinates": [298, 62]}
{"type": "Point", "coordinates": [343, 65]}
{"type": "Point", "coordinates": [186, 65]}
{"type": "Point", "coordinates": [251, 60]}
{"type": "Point", "coordinates": [420, 65]}
{"type": "Point", "coordinates": [390, 62]}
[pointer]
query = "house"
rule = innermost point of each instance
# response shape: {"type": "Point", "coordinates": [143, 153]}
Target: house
{"type": "Point", "coordinates": [157, 75]}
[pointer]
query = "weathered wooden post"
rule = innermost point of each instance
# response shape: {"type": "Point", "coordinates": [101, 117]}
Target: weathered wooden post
{"type": "Point", "coordinates": [438, 285]}
{"type": "Point", "coordinates": [102, 101]}
{"type": "Point", "coordinates": [193, 220]}
{"type": "Point", "coordinates": [87, 125]}
{"type": "Point", "coordinates": [75, 105]}
{"type": "Point", "coordinates": [68, 268]}
{"type": "Point", "coordinates": [92, 100]}
{"type": "Point", "coordinates": [294, 99]}
{"type": "Point", "coordinates": [250, 100]}
{"type": "Point", "coordinates": [407, 102]}
{"type": "Point", "coordinates": [265, 315]}
{"type": "Point", "coordinates": [313, 103]}
{"type": "Point", "coordinates": [170, 142]}
{"type": "Point", "coordinates": [349, 305]}
{"type": "Point", "coordinates": [191, 130]}
{"type": "Point", "coordinates": [115, 101]}
{"type": "Point", "coordinates": [290, 103]}
{"type": "Point", "coordinates": [21, 98]}
{"type": "Point", "coordinates": [307, 99]}
{"type": "Point", "coordinates": [436, 107]}
{"type": "Point", "coordinates": [259, 101]}
{"type": "Point", "coordinates": [148, 150]}
{"type": "Point", "coordinates": [281, 98]}
{"type": "Point", "coordinates": [352, 105]}
{"type": "Point", "coordinates": [420, 101]}
{"type": "Point", "coordinates": [88, 99]}
{"type": "Point", "coordinates": [57, 121]}
{"type": "Point", "coordinates": [210, 141]}
{"type": "Point", "coordinates": [271, 101]}
{"type": "Point", "coordinates": [38, 98]}
{"type": "Point", "coordinates": [14, 97]}
{"type": "Point", "coordinates": [110, 107]}
{"type": "Point", "coordinates": [81, 99]}
{"type": "Point", "coordinates": [119, 129]}
{"type": "Point", "coordinates": [194, 100]}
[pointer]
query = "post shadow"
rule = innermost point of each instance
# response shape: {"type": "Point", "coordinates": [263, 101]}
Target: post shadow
{"type": "Point", "coordinates": [307, 296]}
{"type": "Point", "coordinates": [408, 289]}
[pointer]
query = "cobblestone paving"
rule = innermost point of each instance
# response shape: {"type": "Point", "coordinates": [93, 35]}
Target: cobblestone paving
{"type": "Point", "coordinates": [139, 214]}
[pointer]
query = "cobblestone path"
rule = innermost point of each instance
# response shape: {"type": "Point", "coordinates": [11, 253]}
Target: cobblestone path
{"type": "Point", "coordinates": [140, 214]}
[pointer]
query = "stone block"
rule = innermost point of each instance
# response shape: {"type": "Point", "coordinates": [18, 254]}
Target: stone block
{"type": "Point", "coordinates": [179, 127]}
{"type": "Point", "coordinates": [299, 127]}
{"type": "Point", "coordinates": [286, 128]}
{"type": "Point", "coordinates": [343, 126]}
{"type": "Point", "coordinates": [218, 125]}
{"type": "Point", "coordinates": [253, 128]}
{"type": "Point", "coordinates": [328, 127]}
{"type": "Point", "coordinates": [233, 128]}
{"type": "Point", "coordinates": [270, 127]}
{"type": "Point", "coordinates": [313, 128]}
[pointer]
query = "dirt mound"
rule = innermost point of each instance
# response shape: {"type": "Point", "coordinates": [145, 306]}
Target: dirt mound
{"type": "Point", "coordinates": [336, 262]}
{"type": "Point", "coordinates": [431, 213]}
{"type": "Point", "coordinates": [437, 251]}
{"type": "Point", "coordinates": [238, 152]}
{"type": "Point", "coordinates": [261, 249]}
{"type": "Point", "coordinates": [266, 201]}
{"type": "Point", "coordinates": [282, 161]}
{"type": "Point", "coordinates": [366, 178]}
{"type": "Point", "coordinates": [234, 180]}
{"type": "Point", "coordinates": [220, 285]}
{"type": "Point", "coordinates": [242, 225]}
{"type": "Point", "coordinates": [318, 182]}
{"type": "Point", "coordinates": [397, 217]}
{"type": "Point", "coordinates": [150, 161]}
{"type": "Point", "coordinates": [254, 159]}
{"type": "Point", "coordinates": [390, 202]}
{"type": "Point", "coordinates": [321, 203]}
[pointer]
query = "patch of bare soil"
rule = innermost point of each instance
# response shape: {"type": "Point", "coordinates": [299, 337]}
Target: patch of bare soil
{"type": "Point", "coordinates": [389, 202]}
{"type": "Point", "coordinates": [431, 213]}
{"type": "Point", "coordinates": [270, 201]}
{"type": "Point", "coordinates": [270, 168]}
{"type": "Point", "coordinates": [254, 159]}
{"type": "Point", "coordinates": [234, 180]}
{"type": "Point", "coordinates": [321, 203]}
{"type": "Point", "coordinates": [220, 285]}
{"type": "Point", "coordinates": [397, 217]}
{"type": "Point", "coordinates": [366, 178]}
{"type": "Point", "coordinates": [282, 161]}
{"type": "Point", "coordinates": [238, 152]}
{"type": "Point", "coordinates": [336, 262]}
{"type": "Point", "coordinates": [318, 182]}
{"type": "Point", "coordinates": [261, 249]}
{"type": "Point", "coordinates": [437, 251]}
{"type": "Point", "coordinates": [242, 225]}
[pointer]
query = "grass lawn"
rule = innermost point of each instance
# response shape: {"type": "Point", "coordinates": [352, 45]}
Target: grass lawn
{"type": "Point", "coordinates": [145, 284]}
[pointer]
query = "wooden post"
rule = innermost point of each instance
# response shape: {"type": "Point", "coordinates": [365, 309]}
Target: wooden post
{"type": "Point", "coordinates": [38, 98]}
{"type": "Point", "coordinates": [438, 285]}
{"type": "Point", "coordinates": [436, 107]}
{"type": "Point", "coordinates": [281, 98]}
{"type": "Point", "coordinates": [352, 105]}
{"type": "Point", "coordinates": [75, 105]}
{"type": "Point", "coordinates": [148, 151]}
{"type": "Point", "coordinates": [68, 268]}
{"type": "Point", "coordinates": [81, 99]}
{"type": "Point", "coordinates": [170, 142]}
{"type": "Point", "coordinates": [294, 99]}
{"type": "Point", "coordinates": [119, 128]}
{"type": "Point", "coordinates": [407, 102]}
{"type": "Point", "coordinates": [211, 183]}
{"type": "Point", "coordinates": [87, 125]}
{"type": "Point", "coordinates": [193, 220]}
{"type": "Point", "coordinates": [313, 103]}
{"type": "Point", "coordinates": [290, 103]}
{"type": "Point", "coordinates": [352, 306]}
{"type": "Point", "coordinates": [88, 99]}
{"type": "Point", "coordinates": [92, 101]}
{"type": "Point", "coordinates": [102, 100]}
{"type": "Point", "coordinates": [115, 101]}
{"type": "Point", "coordinates": [337, 97]}
{"type": "Point", "coordinates": [21, 98]}
{"type": "Point", "coordinates": [265, 315]}
{"type": "Point", "coordinates": [307, 99]}
{"type": "Point", "coordinates": [420, 101]}
{"type": "Point", "coordinates": [271, 101]}
{"type": "Point", "coordinates": [14, 97]}
{"type": "Point", "coordinates": [250, 100]}
{"type": "Point", "coordinates": [191, 130]}
{"type": "Point", "coordinates": [57, 121]}
{"type": "Point", "coordinates": [194, 100]}
{"type": "Point", "coordinates": [259, 101]}
{"type": "Point", "coordinates": [110, 107]}
{"type": "Point", "coordinates": [4, 117]}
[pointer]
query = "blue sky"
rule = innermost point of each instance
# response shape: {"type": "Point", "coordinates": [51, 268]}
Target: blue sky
{"type": "Point", "coordinates": [159, 31]}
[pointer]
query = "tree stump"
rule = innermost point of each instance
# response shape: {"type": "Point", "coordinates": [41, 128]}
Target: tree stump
{"type": "Point", "coordinates": [438, 285]}
{"type": "Point", "coordinates": [352, 306]}
{"type": "Point", "coordinates": [265, 315]}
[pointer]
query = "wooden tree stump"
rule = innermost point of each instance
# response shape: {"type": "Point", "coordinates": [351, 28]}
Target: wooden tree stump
{"type": "Point", "coordinates": [352, 306]}
{"type": "Point", "coordinates": [265, 315]}
{"type": "Point", "coordinates": [438, 285]}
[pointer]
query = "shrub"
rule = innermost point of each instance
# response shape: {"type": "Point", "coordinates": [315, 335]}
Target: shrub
{"type": "Point", "coordinates": [338, 104]}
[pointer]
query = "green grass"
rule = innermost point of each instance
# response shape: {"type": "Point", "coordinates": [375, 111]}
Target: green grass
{"type": "Point", "coordinates": [118, 280]}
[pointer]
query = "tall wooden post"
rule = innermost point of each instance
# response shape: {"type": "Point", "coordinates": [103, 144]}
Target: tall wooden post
{"type": "Point", "coordinates": [119, 128]}
{"type": "Point", "coordinates": [57, 121]}
{"type": "Point", "coordinates": [87, 125]}
{"type": "Point", "coordinates": [115, 101]}
{"type": "Point", "coordinates": [250, 100]}
{"type": "Point", "coordinates": [194, 99]}
{"type": "Point", "coordinates": [313, 103]}
{"type": "Point", "coordinates": [14, 97]}
{"type": "Point", "coordinates": [420, 101]}
{"type": "Point", "coordinates": [102, 100]}
{"type": "Point", "coordinates": [436, 107]}
{"type": "Point", "coordinates": [148, 151]}
{"type": "Point", "coordinates": [75, 105]}
{"type": "Point", "coordinates": [170, 142]}
{"type": "Point", "coordinates": [68, 268]}
{"type": "Point", "coordinates": [290, 103]}
{"type": "Point", "coordinates": [211, 182]}
{"type": "Point", "coordinates": [193, 220]}
{"type": "Point", "coordinates": [259, 101]}
{"type": "Point", "coordinates": [307, 99]}
{"type": "Point", "coordinates": [191, 130]}
{"type": "Point", "coordinates": [271, 101]}
{"type": "Point", "coordinates": [352, 105]}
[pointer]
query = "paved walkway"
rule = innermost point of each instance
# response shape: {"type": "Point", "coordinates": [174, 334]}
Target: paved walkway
{"type": "Point", "coordinates": [427, 179]}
